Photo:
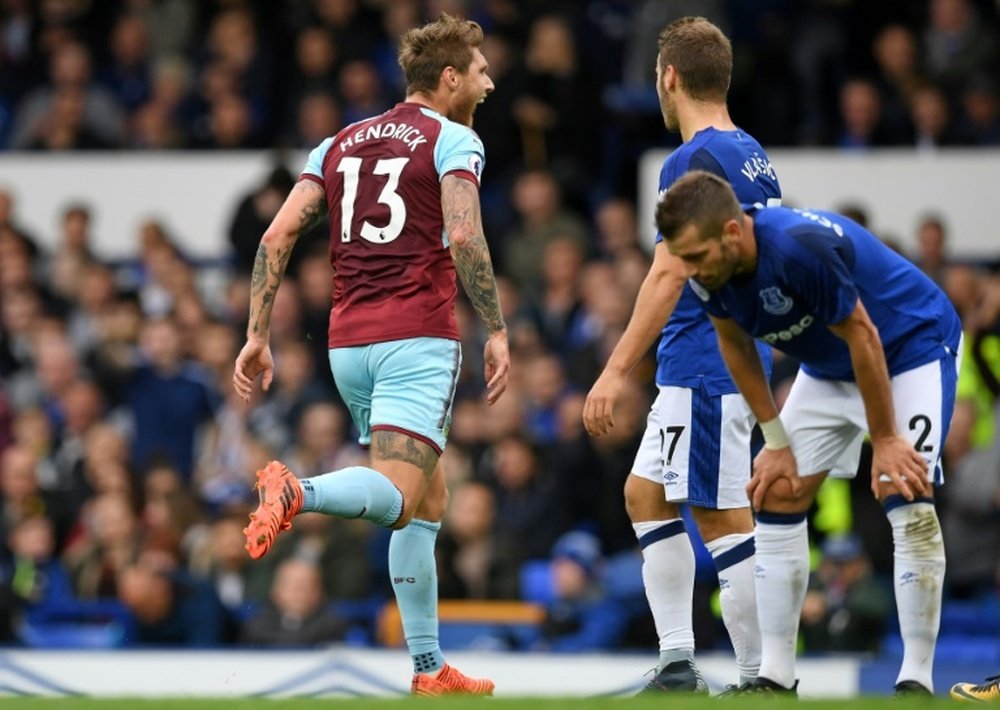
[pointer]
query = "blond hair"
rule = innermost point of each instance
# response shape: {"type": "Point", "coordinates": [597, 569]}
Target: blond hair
{"type": "Point", "coordinates": [425, 52]}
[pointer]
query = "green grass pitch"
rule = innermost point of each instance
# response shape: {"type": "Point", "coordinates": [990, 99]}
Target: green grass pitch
{"type": "Point", "coordinates": [657, 703]}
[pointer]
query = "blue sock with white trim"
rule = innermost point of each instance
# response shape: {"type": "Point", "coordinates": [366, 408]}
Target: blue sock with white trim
{"type": "Point", "coordinates": [734, 561]}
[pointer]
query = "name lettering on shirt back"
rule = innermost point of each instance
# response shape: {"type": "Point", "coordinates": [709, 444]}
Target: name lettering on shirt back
{"type": "Point", "coordinates": [384, 131]}
{"type": "Point", "coordinates": [756, 166]}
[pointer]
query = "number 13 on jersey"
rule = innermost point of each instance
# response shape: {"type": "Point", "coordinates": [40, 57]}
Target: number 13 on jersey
{"type": "Point", "coordinates": [351, 170]}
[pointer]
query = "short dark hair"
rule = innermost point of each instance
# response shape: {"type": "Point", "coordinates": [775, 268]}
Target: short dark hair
{"type": "Point", "coordinates": [698, 198]}
{"type": "Point", "coordinates": [425, 52]}
{"type": "Point", "coordinates": [701, 54]}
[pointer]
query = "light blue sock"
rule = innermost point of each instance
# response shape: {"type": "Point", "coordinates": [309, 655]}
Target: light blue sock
{"type": "Point", "coordinates": [354, 492]}
{"type": "Point", "coordinates": [413, 572]}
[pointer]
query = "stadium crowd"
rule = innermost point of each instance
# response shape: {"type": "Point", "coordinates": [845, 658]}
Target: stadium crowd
{"type": "Point", "coordinates": [126, 460]}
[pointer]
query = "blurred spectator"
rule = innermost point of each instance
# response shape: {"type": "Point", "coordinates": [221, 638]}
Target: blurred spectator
{"type": "Point", "coordinates": [542, 218]}
{"type": "Point", "coordinates": [170, 400]}
{"type": "Point", "coordinates": [559, 108]}
{"type": "Point", "coordinates": [617, 230]}
{"type": "Point", "coordinates": [170, 511]}
{"type": "Point", "coordinates": [106, 542]}
{"type": "Point", "coordinates": [471, 564]}
{"type": "Point", "coordinates": [314, 69]}
{"type": "Point", "coordinates": [55, 367]}
{"type": "Point", "coordinates": [932, 247]}
{"type": "Point", "coordinates": [498, 127]}
{"type": "Point", "coordinates": [233, 42]}
{"type": "Point", "coordinates": [174, 21]}
{"type": "Point", "coordinates": [71, 110]}
{"type": "Point", "coordinates": [980, 123]}
{"type": "Point", "coordinates": [222, 560]}
{"type": "Point", "coordinates": [317, 118]}
{"type": "Point", "coordinates": [254, 213]}
{"type": "Point", "coordinates": [545, 384]}
{"type": "Point", "coordinates": [83, 406]}
{"type": "Point", "coordinates": [818, 34]}
{"type": "Point", "coordinates": [153, 128]}
{"type": "Point", "coordinates": [127, 71]}
{"type": "Point", "coordinates": [971, 524]}
{"type": "Point", "coordinates": [295, 615]}
{"type": "Point", "coordinates": [957, 44]}
{"type": "Point", "coordinates": [38, 580]}
{"type": "Point", "coordinates": [977, 298]}
{"type": "Point", "coordinates": [352, 24]}
{"type": "Point", "coordinates": [321, 443]}
{"type": "Point", "coordinates": [9, 221]}
{"type": "Point", "coordinates": [18, 262]}
{"type": "Point", "coordinates": [20, 495]}
{"type": "Point", "coordinates": [854, 211]}
{"type": "Point", "coordinates": [316, 289]}
{"type": "Point", "coordinates": [581, 617]}
{"type": "Point", "coordinates": [557, 299]}
{"type": "Point", "coordinates": [228, 126]}
{"type": "Point", "coordinates": [296, 387]}
{"type": "Point", "coordinates": [529, 518]}
{"type": "Point", "coordinates": [895, 51]}
{"type": "Point", "coordinates": [845, 609]}
{"type": "Point", "coordinates": [360, 92]}
{"type": "Point", "coordinates": [170, 607]}
{"type": "Point", "coordinates": [931, 118]}
{"type": "Point", "coordinates": [861, 116]}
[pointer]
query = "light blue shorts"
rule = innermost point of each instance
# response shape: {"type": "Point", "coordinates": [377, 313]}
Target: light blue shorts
{"type": "Point", "coordinates": [400, 385]}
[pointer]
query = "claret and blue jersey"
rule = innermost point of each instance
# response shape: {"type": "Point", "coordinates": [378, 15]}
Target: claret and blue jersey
{"type": "Point", "coordinates": [812, 267]}
{"type": "Point", "coordinates": [688, 353]}
{"type": "Point", "coordinates": [393, 274]}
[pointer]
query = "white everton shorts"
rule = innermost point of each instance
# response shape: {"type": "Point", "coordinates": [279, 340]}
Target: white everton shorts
{"type": "Point", "coordinates": [826, 423]}
{"type": "Point", "coordinates": [697, 446]}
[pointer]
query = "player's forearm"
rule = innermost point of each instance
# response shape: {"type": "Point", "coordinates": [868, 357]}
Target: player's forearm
{"type": "Point", "coordinates": [303, 209]}
{"type": "Point", "coordinates": [471, 254]}
{"type": "Point", "coordinates": [743, 362]}
{"type": "Point", "coordinates": [268, 270]}
{"type": "Point", "coordinates": [654, 305]}
{"type": "Point", "coordinates": [475, 271]}
{"type": "Point", "coordinates": [872, 376]}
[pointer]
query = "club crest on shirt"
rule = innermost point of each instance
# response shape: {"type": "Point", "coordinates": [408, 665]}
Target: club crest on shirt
{"type": "Point", "coordinates": [775, 302]}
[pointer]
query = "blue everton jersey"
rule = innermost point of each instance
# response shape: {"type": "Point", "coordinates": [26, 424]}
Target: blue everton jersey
{"type": "Point", "coordinates": [688, 354]}
{"type": "Point", "coordinates": [812, 267]}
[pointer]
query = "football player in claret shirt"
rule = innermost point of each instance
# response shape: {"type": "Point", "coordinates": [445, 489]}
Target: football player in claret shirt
{"type": "Point", "coordinates": [878, 344]}
{"type": "Point", "coordinates": [401, 190]}
{"type": "Point", "coordinates": [696, 447]}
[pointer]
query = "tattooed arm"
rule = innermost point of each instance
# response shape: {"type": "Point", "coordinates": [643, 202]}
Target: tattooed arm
{"type": "Point", "coordinates": [304, 207]}
{"type": "Point", "coordinates": [464, 225]}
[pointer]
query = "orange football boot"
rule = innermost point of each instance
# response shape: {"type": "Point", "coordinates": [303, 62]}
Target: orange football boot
{"type": "Point", "coordinates": [280, 500]}
{"type": "Point", "coordinates": [450, 681]}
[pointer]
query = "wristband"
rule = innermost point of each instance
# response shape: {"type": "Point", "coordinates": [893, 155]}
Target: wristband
{"type": "Point", "coordinates": [774, 434]}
